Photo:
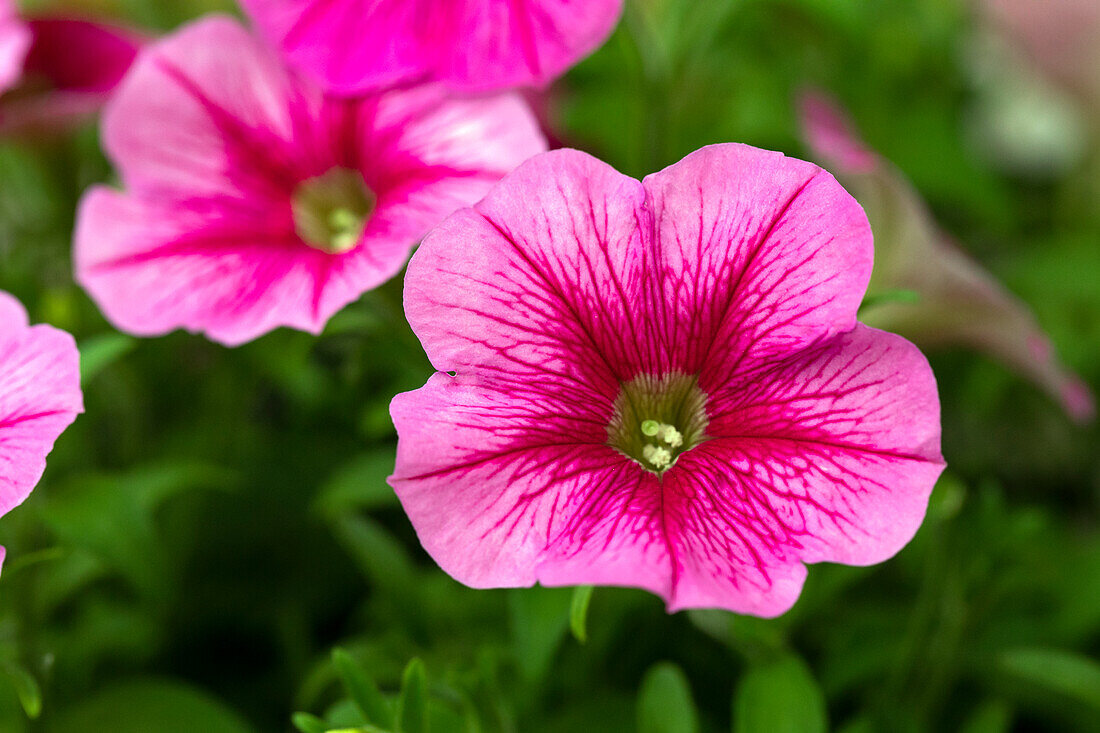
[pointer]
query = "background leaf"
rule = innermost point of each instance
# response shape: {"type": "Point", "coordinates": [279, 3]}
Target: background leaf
{"type": "Point", "coordinates": [664, 702]}
{"type": "Point", "coordinates": [779, 695]}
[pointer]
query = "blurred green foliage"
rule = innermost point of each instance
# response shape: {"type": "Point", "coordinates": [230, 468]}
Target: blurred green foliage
{"type": "Point", "coordinates": [218, 520]}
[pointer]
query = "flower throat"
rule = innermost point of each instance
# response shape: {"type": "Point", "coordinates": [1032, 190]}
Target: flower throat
{"type": "Point", "coordinates": [331, 210]}
{"type": "Point", "coordinates": [657, 418]}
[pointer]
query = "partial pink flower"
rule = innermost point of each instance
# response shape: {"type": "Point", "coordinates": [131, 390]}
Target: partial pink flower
{"type": "Point", "coordinates": [957, 301]}
{"type": "Point", "coordinates": [39, 397]}
{"type": "Point", "coordinates": [15, 41]}
{"type": "Point", "coordinates": [660, 384]}
{"type": "Point", "coordinates": [471, 45]}
{"type": "Point", "coordinates": [69, 69]}
{"type": "Point", "coordinates": [255, 201]}
{"type": "Point", "coordinates": [1062, 37]}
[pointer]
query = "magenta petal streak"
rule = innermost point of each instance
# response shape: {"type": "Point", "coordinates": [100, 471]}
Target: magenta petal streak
{"type": "Point", "coordinates": [471, 45]}
{"type": "Point", "coordinates": [736, 267]}
{"type": "Point", "coordinates": [213, 147]}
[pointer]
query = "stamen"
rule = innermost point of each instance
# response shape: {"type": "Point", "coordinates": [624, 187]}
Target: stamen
{"type": "Point", "coordinates": [659, 457]}
{"type": "Point", "coordinates": [670, 435]}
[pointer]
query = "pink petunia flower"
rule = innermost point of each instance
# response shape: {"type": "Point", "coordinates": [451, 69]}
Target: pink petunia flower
{"type": "Point", "coordinates": [65, 74]}
{"type": "Point", "coordinates": [39, 397]}
{"type": "Point", "coordinates": [15, 41]}
{"type": "Point", "coordinates": [957, 301]}
{"type": "Point", "coordinates": [660, 384]}
{"type": "Point", "coordinates": [472, 45]}
{"type": "Point", "coordinates": [256, 201]}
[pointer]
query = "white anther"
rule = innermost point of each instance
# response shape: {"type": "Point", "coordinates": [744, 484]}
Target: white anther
{"type": "Point", "coordinates": [659, 457]}
{"type": "Point", "coordinates": [670, 435]}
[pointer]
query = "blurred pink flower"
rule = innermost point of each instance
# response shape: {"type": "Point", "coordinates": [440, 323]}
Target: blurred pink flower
{"type": "Point", "coordinates": [256, 201]}
{"type": "Point", "coordinates": [660, 384]}
{"type": "Point", "coordinates": [1062, 37]}
{"type": "Point", "coordinates": [39, 397]}
{"type": "Point", "coordinates": [471, 45]}
{"type": "Point", "coordinates": [957, 301]}
{"type": "Point", "coordinates": [66, 73]}
{"type": "Point", "coordinates": [15, 40]}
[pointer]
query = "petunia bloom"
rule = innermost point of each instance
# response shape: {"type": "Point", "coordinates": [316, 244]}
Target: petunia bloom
{"type": "Point", "coordinates": [65, 73]}
{"type": "Point", "coordinates": [957, 301]}
{"type": "Point", "coordinates": [39, 397]}
{"type": "Point", "coordinates": [255, 201]}
{"type": "Point", "coordinates": [660, 384]}
{"type": "Point", "coordinates": [471, 45]}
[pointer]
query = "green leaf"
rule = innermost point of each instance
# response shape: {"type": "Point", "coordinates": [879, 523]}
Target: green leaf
{"type": "Point", "coordinates": [358, 485]}
{"type": "Point", "coordinates": [578, 613]}
{"type": "Point", "coordinates": [381, 557]}
{"type": "Point", "coordinates": [362, 690]}
{"type": "Point", "coordinates": [779, 696]}
{"type": "Point", "coordinates": [412, 705]}
{"type": "Point", "coordinates": [307, 723]}
{"type": "Point", "coordinates": [1054, 674]}
{"type": "Point", "coordinates": [99, 352]}
{"type": "Point", "coordinates": [664, 703]}
{"type": "Point", "coordinates": [149, 706]}
{"type": "Point", "coordinates": [26, 687]}
{"type": "Point", "coordinates": [540, 619]}
{"type": "Point", "coordinates": [112, 517]}
{"type": "Point", "coordinates": [48, 555]}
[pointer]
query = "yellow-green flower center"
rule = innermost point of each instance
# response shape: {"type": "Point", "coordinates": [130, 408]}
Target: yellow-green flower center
{"type": "Point", "coordinates": [331, 210]}
{"type": "Point", "coordinates": [656, 419]}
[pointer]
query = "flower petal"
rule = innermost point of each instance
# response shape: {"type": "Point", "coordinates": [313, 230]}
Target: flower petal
{"type": "Point", "coordinates": [828, 456]}
{"type": "Point", "coordinates": [760, 255]}
{"type": "Point", "coordinates": [506, 490]}
{"type": "Point", "coordinates": [155, 267]}
{"type": "Point", "coordinates": [473, 45]}
{"type": "Point", "coordinates": [349, 45]}
{"type": "Point", "coordinates": [507, 43]}
{"type": "Point", "coordinates": [504, 290]}
{"type": "Point", "coordinates": [192, 120]}
{"type": "Point", "coordinates": [39, 397]}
